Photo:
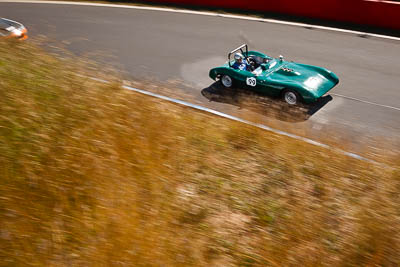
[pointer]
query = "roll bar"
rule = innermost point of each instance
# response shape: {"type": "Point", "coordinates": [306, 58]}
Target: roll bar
{"type": "Point", "coordinates": [245, 53]}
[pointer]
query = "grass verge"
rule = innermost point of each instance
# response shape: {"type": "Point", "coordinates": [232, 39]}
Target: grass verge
{"type": "Point", "coordinates": [91, 174]}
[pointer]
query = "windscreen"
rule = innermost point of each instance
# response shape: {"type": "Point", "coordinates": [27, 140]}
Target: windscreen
{"type": "Point", "coordinates": [3, 24]}
{"type": "Point", "coordinates": [3, 27]}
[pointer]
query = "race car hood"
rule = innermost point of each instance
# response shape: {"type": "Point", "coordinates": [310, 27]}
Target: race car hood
{"type": "Point", "coordinates": [317, 80]}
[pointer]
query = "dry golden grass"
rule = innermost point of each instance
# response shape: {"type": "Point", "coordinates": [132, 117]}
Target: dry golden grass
{"type": "Point", "coordinates": [94, 175]}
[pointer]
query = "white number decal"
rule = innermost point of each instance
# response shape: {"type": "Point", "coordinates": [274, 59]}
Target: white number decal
{"type": "Point", "coordinates": [251, 81]}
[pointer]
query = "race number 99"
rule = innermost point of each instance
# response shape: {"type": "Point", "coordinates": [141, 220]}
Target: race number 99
{"type": "Point", "coordinates": [251, 81]}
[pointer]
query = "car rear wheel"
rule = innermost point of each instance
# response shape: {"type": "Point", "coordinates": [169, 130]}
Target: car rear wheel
{"type": "Point", "coordinates": [226, 81]}
{"type": "Point", "coordinates": [291, 97]}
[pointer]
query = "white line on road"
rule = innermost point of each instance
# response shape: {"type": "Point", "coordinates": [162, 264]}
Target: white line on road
{"type": "Point", "coordinates": [214, 14]}
{"type": "Point", "coordinates": [366, 102]}
{"type": "Point", "coordinates": [382, 1]}
{"type": "Point", "coordinates": [258, 125]}
{"type": "Point", "coordinates": [230, 117]}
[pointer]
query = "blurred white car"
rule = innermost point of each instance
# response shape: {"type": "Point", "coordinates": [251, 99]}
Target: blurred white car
{"type": "Point", "coordinates": [12, 29]}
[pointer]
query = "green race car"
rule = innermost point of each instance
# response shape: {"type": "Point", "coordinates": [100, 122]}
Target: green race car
{"type": "Point", "coordinates": [293, 82]}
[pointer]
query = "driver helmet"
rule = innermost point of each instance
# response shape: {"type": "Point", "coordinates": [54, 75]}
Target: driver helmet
{"type": "Point", "coordinates": [238, 56]}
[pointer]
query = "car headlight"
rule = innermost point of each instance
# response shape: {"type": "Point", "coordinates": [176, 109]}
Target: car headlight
{"type": "Point", "coordinates": [17, 32]}
{"type": "Point", "coordinates": [313, 82]}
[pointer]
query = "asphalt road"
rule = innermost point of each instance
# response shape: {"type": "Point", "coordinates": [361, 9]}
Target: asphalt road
{"type": "Point", "coordinates": [163, 45]}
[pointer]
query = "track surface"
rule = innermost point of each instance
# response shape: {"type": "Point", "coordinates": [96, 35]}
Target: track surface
{"type": "Point", "coordinates": [167, 45]}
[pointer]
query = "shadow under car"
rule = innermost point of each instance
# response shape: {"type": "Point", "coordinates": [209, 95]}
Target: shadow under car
{"type": "Point", "coordinates": [262, 104]}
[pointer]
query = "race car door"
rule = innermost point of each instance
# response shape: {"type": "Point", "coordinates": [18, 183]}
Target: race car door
{"type": "Point", "coordinates": [253, 82]}
{"type": "Point", "coordinates": [245, 79]}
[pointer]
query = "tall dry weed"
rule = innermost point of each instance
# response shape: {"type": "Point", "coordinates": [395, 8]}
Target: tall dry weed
{"type": "Point", "coordinates": [91, 174]}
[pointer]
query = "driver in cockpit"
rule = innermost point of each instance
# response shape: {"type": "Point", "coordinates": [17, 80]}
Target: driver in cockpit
{"type": "Point", "coordinates": [240, 64]}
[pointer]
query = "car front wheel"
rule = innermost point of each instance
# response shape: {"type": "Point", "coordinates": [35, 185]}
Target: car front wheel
{"type": "Point", "coordinates": [226, 81]}
{"type": "Point", "coordinates": [291, 97]}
